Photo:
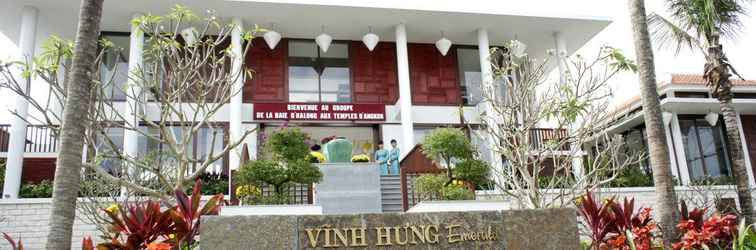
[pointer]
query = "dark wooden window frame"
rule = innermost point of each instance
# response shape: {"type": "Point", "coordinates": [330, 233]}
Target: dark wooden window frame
{"type": "Point", "coordinates": [348, 65]}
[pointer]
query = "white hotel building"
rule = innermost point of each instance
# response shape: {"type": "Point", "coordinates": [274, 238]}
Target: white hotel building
{"type": "Point", "coordinates": [405, 83]}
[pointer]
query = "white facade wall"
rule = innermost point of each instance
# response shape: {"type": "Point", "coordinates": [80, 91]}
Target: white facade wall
{"type": "Point", "coordinates": [27, 220]}
{"type": "Point", "coordinates": [644, 196]}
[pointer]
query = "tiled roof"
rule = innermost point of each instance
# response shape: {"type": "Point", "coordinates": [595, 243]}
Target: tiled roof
{"type": "Point", "coordinates": [694, 79]}
{"type": "Point", "coordinates": [675, 79]}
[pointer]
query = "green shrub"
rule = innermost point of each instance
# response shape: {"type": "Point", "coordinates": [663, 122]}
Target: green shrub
{"type": "Point", "coordinates": [288, 144]}
{"type": "Point", "coordinates": [213, 184]}
{"type": "Point", "coordinates": [429, 186]}
{"type": "Point", "coordinates": [435, 187]}
{"type": "Point", "coordinates": [446, 145]}
{"type": "Point", "coordinates": [287, 163]}
{"type": "Point", "coordinates": [632, 176]}
{"type": "Point", "coordinates": [713, 180]}
{"type": "Point", "coordinates": [42, 189]}
{"type": "Point", "coordinates": [457, 192]}
{"type": "Point", "coordinates": [474, 171]}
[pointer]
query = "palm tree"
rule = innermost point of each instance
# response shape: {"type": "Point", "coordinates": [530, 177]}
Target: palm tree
{"type": "Point", "coordinates": [67, 173]}
{"type": "Point", "coordinates": [698, 25]}
{"type": "Point", "coordinates": [666, 199]}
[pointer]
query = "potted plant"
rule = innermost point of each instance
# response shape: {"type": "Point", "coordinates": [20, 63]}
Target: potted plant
{"type": "Point", "coordinates": [338, 150]}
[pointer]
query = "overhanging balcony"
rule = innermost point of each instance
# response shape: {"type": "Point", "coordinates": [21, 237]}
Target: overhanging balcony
{"type": "Point", "coordinates": [39, 139]}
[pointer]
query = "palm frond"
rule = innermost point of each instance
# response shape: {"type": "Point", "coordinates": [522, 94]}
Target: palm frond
{"type": "Point", "coordinates": [667, 34]}
{"type": "Point", "coordinates": [706, 17]}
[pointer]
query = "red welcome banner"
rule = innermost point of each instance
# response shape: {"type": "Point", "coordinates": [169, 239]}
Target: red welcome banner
{"type": "Point", "coordinates": [319, 112]}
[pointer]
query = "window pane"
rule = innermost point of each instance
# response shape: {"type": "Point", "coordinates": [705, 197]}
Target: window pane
{"type": "Point", "coordinates": [210, 140]}
{"type": "Point", "coordinates": [303, 84]}
{"type": "Point", "coordinates": [114, 72]}
{"type": "Point", "coordinates": [108, 151]}
{"type": "Point", "coordinates": [315, 76]}
{"type": "Point", "coordinates": [470, 76]}
{"type": "Point", "coordinates": [335, 85]}
{"type": "Point", "coordinates": [713, 147]}
{"type": "Point", "coordinates": [336, 50]}
{"type": "Point", "coordinates": [303, 49]}
{"type": "Point", "coordinates": [692, 151]}
{"type": "Point", "coordinates": [705, 148]}
{"type": "Point", "coordinates": [147, 145]}
{"type": "Point", "coordinates": [720, 138]}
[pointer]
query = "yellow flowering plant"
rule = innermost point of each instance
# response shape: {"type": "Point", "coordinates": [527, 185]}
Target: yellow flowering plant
{"type": "Point", "coordinates": [113, 208]}
{"type": "Point", "coordinates": [247, 191]}
{"type": "Point", "coordinates": [360, 158]}
{"type": "Point", "coordinates": [317, 156]}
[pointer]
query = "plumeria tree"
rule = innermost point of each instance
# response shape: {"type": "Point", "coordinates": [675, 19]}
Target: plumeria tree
{"type": "Point", "coordinates": [183, 83]}
{"type": "Point", "coordinates": [551, 168]}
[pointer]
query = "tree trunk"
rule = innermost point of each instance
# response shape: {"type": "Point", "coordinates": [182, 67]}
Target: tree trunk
{"type": "Point", "coordinates": [69, 163]}
{"type": "Point", "coordinates": [717, 75]}
{"type": "Point", "coordinates": [666, 199]}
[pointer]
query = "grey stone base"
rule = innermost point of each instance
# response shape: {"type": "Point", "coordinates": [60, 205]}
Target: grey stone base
{"type": "Point", "coordinates": [349, 188]}
{"type": "Point", "coordinates": [515, 229]}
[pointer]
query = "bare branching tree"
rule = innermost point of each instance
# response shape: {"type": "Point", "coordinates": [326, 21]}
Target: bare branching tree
{"type": "Point", "coordinates": [539, 164]}
{"type": "Point", "coordinates": [186, 79]}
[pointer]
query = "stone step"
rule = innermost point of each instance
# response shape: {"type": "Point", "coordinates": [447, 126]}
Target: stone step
{"type": "Point", "coordinates": [392, 205]}
{"type": "Point", "coordinates": [397, 209]}
{"type": "Point", "coordinates": [389, 198]}
{"type": "Point", "coordinates": [392, 202]}
{"type": "Point", "coordinates": [391, 177]}
{"type": "Point", "coordinates": [391, 180]}
{"type": "Point", "coordinates": [391, 183]}
{"type": "Point", "coordinates": [391, 193]}
{"type": "Point", "coordinates": [391, 190]}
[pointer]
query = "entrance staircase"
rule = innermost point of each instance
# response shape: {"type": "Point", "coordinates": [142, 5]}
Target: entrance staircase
{"type": "Point", "coordinates": [391, 193]}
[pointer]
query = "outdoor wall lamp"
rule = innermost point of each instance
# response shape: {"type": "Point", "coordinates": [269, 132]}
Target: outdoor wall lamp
{"type": "Point", "coordinates": [323, 40]}
{"type": "Point", "coordinates": [443, 44]}
{"type": "Point", "coordinates": [272, 37]}
{"type": "Point", "coordinates": [370, 39]}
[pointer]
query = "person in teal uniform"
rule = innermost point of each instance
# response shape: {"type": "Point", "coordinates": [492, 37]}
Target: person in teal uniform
{"type": "Point", "coordinates": [381, 157]}
{"type": "Point", "coordinates": [393, 158]}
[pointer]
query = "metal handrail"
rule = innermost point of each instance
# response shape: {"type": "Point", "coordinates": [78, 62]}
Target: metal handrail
{"type": "Point", "coordinates": [39, 139]}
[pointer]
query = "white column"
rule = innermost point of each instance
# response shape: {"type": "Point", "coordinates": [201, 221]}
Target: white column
{"type": "Point", "coordinates": [405, 92]}
{"type": "Point", "coordinates": [746, 155]}
{"type": "Point", "coordinates": [17, 144]}
{"type": "Point", "coordinates": [560, 54]}
{"type": "Point", "coordinates": [235, 119]}
{"type": "Point", "coordinates": [682, 162]}
{"type": "Point", "coordinates": [133, 91]}
{"type": "Point", "coordinates": [487, 84]}
{"type": "Point", "coordinates": [674, 165]}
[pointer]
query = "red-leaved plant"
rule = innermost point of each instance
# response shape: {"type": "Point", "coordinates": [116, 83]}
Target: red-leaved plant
{"type": "Point", "coordinates": [140, 225]}
{"type": "Point", "coordinates": [148, 226]}
{"type": "Point", "coordinates": [611, 222]}
{"type": "Point", "coordinates": [716, 232]}
{"type": "Point", "coordinates": [186, 214]}
{"type": "Point", "coordinates": [624, 219]}
{"type": "Point", "coordinates": [596, 217]}
{"type": "Point", "coordinates": [86, 243]}
{"type": "Point", "coordinates": [14, 245]}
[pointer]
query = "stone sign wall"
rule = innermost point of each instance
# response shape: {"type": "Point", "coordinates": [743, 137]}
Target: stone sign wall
{"type": "Point", "coordinates": [515, 229]}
